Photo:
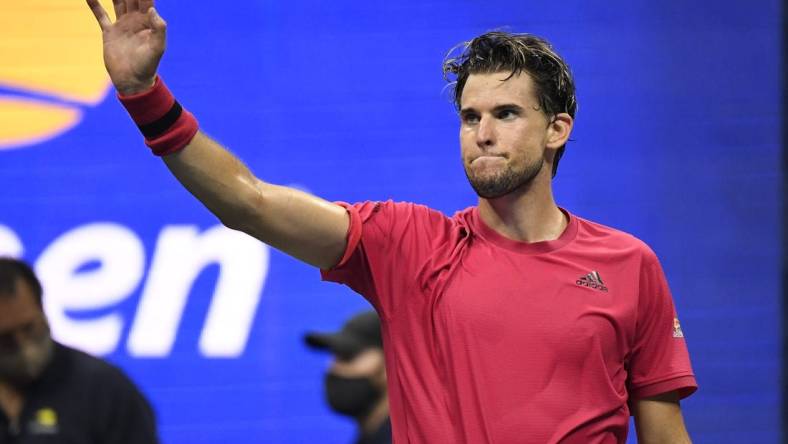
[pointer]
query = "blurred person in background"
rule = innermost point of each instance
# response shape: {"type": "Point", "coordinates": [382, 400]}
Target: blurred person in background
{"type": "Point", "coordinates": [355, 383]}
{"type": "Point", "coordinates": [50, 393]}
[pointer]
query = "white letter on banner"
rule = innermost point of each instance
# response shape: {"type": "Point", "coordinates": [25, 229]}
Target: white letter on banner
{"type": "Point", "coordinates": [120, 257]}
{"type": "Point", "coordinates": [10, 245]}
{"type": "Point", "coordinates": [181, 254]}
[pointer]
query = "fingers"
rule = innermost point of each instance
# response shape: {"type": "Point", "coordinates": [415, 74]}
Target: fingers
{"type": "Point", "coordinates": [101, 15]}
{"type": "Point", "coordinates": [145, 5]}
{"type": "Point", "coordinates": [132, 5]}
{"type": "Point", "coordinates": [120, 8]}
{"type": "Point", "coordinates": [159, 25]}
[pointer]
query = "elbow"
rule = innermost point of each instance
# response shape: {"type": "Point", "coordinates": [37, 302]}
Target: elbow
{"type": "Point", "coordinates": [245, 212]}
{"type": "Point", "coordinates": [233, 222]}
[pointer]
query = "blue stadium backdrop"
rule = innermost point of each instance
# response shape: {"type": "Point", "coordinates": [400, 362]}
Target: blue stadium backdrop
{"type": "Point", "coordinates": [677, 141]}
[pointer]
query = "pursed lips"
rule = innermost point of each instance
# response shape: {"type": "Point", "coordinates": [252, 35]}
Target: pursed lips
{"type": "Point", "coordinates": [489, 157]}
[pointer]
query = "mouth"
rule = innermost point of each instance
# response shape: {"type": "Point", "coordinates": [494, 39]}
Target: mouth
{"type": "Point", "coordinates": [488, 158]}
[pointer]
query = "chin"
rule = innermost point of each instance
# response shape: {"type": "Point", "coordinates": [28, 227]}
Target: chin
{"type": "Point", "coordinates": [492, 185]}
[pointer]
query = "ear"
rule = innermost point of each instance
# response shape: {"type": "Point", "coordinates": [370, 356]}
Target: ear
{"type": "Point", "coordinates": [558, 130]}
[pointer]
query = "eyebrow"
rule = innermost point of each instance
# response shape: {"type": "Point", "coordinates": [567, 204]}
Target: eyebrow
{"type": "Point", "coordinates": [505, 106]}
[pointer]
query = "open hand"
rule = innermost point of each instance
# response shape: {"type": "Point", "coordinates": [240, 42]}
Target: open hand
{"type": "Point", "coordinates": [133, 45]}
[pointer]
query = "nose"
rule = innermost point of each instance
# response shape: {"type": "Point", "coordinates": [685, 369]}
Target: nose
{"type": "Point", "coordinates": [485, 133]}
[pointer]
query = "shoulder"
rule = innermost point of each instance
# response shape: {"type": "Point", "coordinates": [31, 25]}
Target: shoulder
{"type": "Point", "coordinates": [95, 370]}
{"type": "Point", "coordinates": [613, 240]}
{"type": "Point", "coordinates": [402, 209]}
{"type": "Point", "coordinates": [391, 213]}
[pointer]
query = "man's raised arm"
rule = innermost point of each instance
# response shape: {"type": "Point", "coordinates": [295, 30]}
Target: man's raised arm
{"type": "Point", "coordinates": [304, 226]}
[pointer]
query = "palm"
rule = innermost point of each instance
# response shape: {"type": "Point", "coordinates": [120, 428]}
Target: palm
{"type": "Point", "coordinates": [133, 45]}
{"type": "Point", "coordinates": [131, 49]}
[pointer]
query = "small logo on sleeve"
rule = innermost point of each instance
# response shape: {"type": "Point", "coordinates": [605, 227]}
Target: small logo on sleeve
{"type": "Point", "coordinates": [677, 333]}
{"type": "Point", "coordinates": [592, 280]}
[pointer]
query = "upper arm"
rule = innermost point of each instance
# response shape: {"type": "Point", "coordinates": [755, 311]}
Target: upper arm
{"type": "Point", "coordinates": [301, 225]}
{"type": "Point", "coordinates": [658, 420]}
{"type": "Point", "coordinates": [659, 360]}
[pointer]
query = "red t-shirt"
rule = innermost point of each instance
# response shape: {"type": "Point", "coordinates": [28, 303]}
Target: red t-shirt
{"type": "Point", "coordinates": [490, 340]}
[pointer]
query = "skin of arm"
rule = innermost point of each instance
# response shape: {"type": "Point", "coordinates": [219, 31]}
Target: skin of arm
{"type": "Point", "coordinates": [658, 420]}
{"type": "Point", "coordinates": [303, 226]}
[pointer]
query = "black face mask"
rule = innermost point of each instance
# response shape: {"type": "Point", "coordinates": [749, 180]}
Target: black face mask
{"type": "Point", "coordinates": [351, 396]}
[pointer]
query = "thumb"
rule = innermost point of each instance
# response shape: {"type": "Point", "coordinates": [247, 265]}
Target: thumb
{"type": "Point", "coordinates": [159, 25]}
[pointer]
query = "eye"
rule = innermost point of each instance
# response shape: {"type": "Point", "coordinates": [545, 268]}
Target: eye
{"type": "Point", "coordinates": [470, 118]}
{"type": "Point", "coordinates": [507, 114]}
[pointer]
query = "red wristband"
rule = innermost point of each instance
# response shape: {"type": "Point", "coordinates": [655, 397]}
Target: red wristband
{"type": "Point", "coordinates": [167, 127]}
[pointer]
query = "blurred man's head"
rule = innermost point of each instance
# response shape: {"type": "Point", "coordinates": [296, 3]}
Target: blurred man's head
{"type": "Point", "coordinates": [356, 381]}
{"type": "Point", "coordinates": [25, 343]}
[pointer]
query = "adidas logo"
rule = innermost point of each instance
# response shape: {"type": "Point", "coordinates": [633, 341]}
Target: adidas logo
{"type": "Point", "coordinates": [592, 280]}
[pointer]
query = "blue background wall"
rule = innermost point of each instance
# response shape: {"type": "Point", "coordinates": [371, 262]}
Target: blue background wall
{"type": "Point", "coordinates": [677, 141]}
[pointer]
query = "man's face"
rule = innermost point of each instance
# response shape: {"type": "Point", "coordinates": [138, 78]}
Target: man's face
{"type": "Point", "coordinates": [25, 344]}
{"type": "Point", "coordinates": [503, 132]}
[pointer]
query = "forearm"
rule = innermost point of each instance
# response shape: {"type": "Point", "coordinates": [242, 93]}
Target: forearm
{"type": "Point", "coordinates": [217, 178]}
{"type": "Point", "coordinates": [302, 225]}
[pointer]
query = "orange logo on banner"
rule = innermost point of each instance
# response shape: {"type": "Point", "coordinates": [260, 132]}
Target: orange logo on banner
{"type": "Point", "coordinates": [50, 49]}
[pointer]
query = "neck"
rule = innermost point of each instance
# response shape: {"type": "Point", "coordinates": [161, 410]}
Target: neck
{"type": "Point", "coordinates": [528, 214]}
{"type": "Point", "coordinates": [376, 417]}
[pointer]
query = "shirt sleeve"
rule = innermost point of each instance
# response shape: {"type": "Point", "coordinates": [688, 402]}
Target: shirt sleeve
{"type": "Point", "coordinates": [387, 243]}
{"type": "Point", "coordinates": [659, 362]}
